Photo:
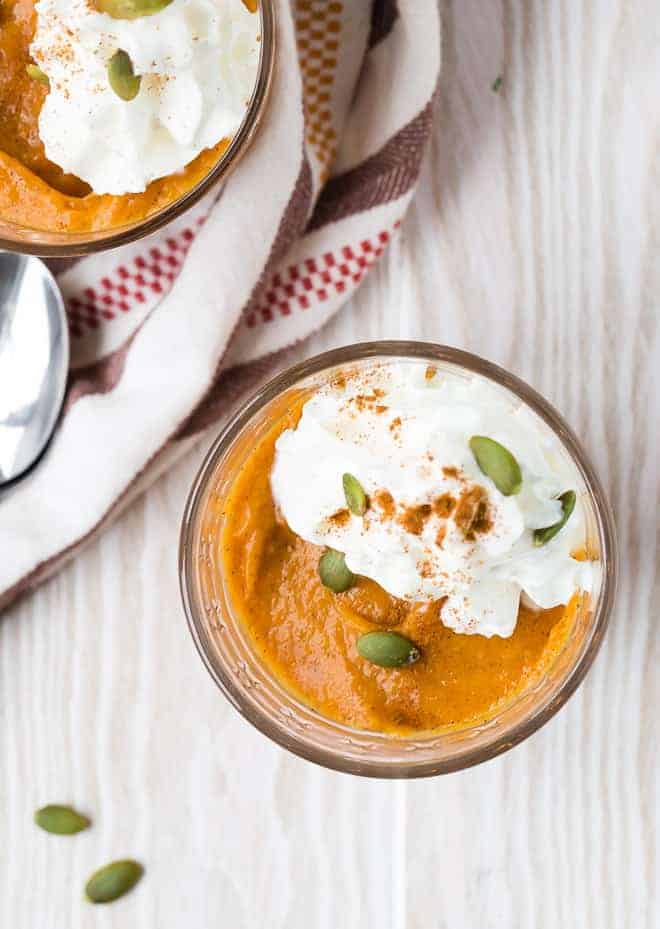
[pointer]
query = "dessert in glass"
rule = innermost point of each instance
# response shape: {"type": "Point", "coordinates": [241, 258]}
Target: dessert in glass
{"type": "Point", "coordinates": [118, 115]}
{"type": "Point", "coordinates": [396, 560]}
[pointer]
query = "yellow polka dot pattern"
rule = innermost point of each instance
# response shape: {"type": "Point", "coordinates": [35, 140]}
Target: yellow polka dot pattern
{"type": "Point", "coordinates": [318, 28]}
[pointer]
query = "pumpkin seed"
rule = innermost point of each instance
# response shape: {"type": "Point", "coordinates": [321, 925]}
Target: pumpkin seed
{"type": "Point", "coordinates": [387, 649]}
{"type": "Point", "coordinates": [61, 820]}
{"type": "Point", "coordinates": [498, 464]}
{"type": "Point", "coordinates": [113, 881]}
{"type": "Point", "coordinates": [333, 571]}
{"type": "Point", "coordinates": [35, 72]}
{"type": "Point", "coordinates": [356, 499]}
{"type": "Point", "coordinates": [121, 76]}
{"type": "Point", "coordinates": [541, 536]}
{"type": "Point", "coordinates": [130, 9]}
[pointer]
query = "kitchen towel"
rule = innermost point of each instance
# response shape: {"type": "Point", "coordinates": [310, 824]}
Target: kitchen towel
{"type": "Point", "coordinates": [169, 333]}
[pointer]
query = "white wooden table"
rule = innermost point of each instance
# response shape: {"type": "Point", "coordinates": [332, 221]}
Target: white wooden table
{"type": "Point", "coordinates": [535, 242]}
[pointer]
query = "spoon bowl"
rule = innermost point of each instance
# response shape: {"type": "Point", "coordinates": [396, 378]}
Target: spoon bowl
{"type": "Point", "coordinates": [34, 361]}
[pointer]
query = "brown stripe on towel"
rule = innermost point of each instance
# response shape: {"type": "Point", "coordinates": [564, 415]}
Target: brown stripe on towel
{"type": "Point", "coordinates": [233, 386]}
{"type": "Point", "coordinates": [98, 378]}
{"type": "Point", "coordinates": [59, 265]}
{"type": "Point", "coordinates": [383, 16]}
{"type": "Point", "coordinates": [385, 176]}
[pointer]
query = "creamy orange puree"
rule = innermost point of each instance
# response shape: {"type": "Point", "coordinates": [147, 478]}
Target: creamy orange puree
{"type": "Point", "coordinates": [33, 191]}
{"type": "Point", "coordinates": [306, 635]}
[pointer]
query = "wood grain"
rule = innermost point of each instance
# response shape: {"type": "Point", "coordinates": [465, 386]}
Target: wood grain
{"type": "Point", "coordinates": [534, 241]}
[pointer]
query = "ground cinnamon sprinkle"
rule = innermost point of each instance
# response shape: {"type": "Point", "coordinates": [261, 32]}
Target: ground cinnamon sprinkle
{"type": "Point", "coordinates": [385, 502]}
{"type": "Point", "coordinates": [472, 515]}
{"type": "Point", "coordinates": [430, 373]}
{"type": "Point", "coordinates": [364, 401]}
{"type": "Point", "coordinates": [380, 408]}
{"type": "Point", "coordinates": [450, 471]}
{"type": "Point", "coordinates": [443, 506]}
{"type": "Point", "coordinates": [440, 536]}
{"type": "Point", "coordinates": [340, 518]}
{"type": "Point", "coordinates": [413, 518]}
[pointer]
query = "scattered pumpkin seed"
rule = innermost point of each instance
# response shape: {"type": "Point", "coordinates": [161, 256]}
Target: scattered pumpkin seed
{"type": "Point", "coordinates": [130, 9]}
{"type": "Point", "coordinates": [61, 820]}
{"type": "Point", "coordinates": [541, 536]}
{"type": "Point", "coordinates": [113, 881]}
{"type": "Point", "coordinates": [356, 498]}
{"type": "Point", "coordinates": [387, 649]}
{"type": "Point", "coordinates": [333, 571]}
{"type": "Point", "coordinates": [35, 72]}
{"type": "Point", "coordinates": [498, 464]}
{"type": "Point", "coordinates": [121, 76]}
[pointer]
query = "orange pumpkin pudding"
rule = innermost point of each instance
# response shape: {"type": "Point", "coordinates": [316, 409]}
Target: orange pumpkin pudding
{"type": "Point", "coordinates": [110, 110]}
{"type": "Point", "coordinates": [402, 548]}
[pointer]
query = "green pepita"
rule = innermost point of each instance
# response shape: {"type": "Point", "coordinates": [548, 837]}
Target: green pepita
{"type": "Point", "coordinates": [61, 820]}
{"type": "Point", "coordinates": [130, 9]}
{"type": "Point", "coordinates": [356, 498]}
{"type": "Point", "coordinates": [35, 72]}
{"type": "Point", "coordinates": [498, 464]}
{"type": "Point", "coordinates": [333, 572]}
{"type": "Point", "coordinates": [121, 76]}
{"type": "Point", "coordinates": [387, 649]}
{"type": "Point", "coordinates": [113, 881]}
{"type": "Point", "coordinates": [567, 499]}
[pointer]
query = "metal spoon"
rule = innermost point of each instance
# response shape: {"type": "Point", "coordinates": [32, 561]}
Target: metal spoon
{"type": "Point", "coordinates": [34, 360]}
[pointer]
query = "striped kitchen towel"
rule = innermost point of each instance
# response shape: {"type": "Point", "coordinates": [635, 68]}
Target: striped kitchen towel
{"type": "Point", "coordinates": [170, 332]}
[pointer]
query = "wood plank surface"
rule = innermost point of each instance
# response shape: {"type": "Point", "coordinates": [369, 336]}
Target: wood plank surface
{"type": "Point", "coordinates": [534, 241]}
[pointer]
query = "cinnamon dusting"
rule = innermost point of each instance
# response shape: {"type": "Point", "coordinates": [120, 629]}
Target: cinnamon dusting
{"type": "Point", "coordinates": [472, 516]}
{"type": "Point", "coordinates": [385, 502]}
{"type": "Point", "coordinates": [440, 535]}
{"type": "Point", "coordinates": [443, 506]}
{"type": "Point", "coordinates": [413, 518]}
{"type": "Point", "coordinates": [370, 401]}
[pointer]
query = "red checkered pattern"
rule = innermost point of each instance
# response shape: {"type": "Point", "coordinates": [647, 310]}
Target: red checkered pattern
{"type": "Point", "coordinates": [318, 279]}
{"type": "Point", "coordinates": [145, 278]}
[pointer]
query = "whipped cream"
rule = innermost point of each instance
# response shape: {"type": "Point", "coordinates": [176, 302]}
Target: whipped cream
{"type": "Point", "coordinates": [402, 429]}
{"type": "Point", "coordinates": [198, 60]}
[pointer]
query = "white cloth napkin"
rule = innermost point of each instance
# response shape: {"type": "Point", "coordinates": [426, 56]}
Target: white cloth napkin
{"type": "Point", "coordinates": [168, 333]}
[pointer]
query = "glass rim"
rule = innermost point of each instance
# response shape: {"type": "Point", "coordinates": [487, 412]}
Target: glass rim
{"type": "Point", "coordinates": [75, 245]}
{"type": "Point", "coordinates": [474, 364]}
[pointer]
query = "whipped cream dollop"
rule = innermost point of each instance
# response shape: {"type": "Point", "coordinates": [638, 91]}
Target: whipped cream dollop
{"type": "Point", "coordinates": [198, 60]}
{"type": "Point", "coordinates": [436, 526]}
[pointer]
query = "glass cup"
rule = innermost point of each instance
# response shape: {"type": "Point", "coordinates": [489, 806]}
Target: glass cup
{"type": "Point", "coordinates": [224, 645]}
{"type": "Point", "coordinates": [21, 239]}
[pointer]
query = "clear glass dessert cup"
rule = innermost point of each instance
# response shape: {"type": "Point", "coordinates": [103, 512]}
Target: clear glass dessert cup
{"type": "Point", "coordinates": [224, 645]}
{"type": "Point", "coordinates": [14, 238]}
